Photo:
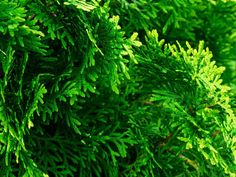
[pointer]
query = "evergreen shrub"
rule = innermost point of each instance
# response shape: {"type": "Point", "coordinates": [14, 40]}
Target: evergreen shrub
{"type": "Point", "coordinates": [117, 88]}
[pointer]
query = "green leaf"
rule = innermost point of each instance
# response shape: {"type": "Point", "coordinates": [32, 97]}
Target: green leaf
{"type": "Point", "coordinates": [81, 4]}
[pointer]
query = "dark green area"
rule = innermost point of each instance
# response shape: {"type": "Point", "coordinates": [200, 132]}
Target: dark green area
{"type": "Point", "coordinates": [118, 88]}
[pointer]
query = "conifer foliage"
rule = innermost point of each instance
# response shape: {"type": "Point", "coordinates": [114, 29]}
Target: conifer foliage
{"type": "Point", "coordinates": [117, 88]}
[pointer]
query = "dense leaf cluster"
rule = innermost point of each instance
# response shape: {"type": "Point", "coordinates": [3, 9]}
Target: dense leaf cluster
{"type": "Point", "coordinates": [90, 88]}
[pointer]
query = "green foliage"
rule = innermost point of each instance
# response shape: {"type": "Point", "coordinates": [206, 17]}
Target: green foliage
{"type": "Point", "coordinates": [212, 21]}
{"type": "Point", "coordinates": [193, 108]}
{"type": "Point", "coordinates": [87, 88]}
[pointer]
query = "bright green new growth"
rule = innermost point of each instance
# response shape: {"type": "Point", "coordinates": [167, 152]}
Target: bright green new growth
{"type": "Point", "coordinates": [193, 106]}
{"type": "Point", "coordinates": [82, 96]}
